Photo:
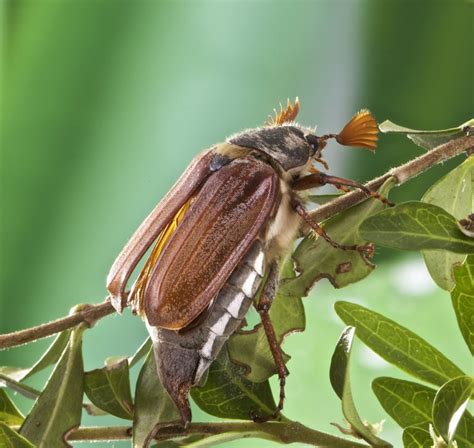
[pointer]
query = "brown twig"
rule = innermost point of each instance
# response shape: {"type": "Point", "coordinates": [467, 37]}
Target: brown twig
{"type": "Point", "coordinates": [289, 432]}
{"type": "Point", "coordinates": [88, 314]}
{"type": "Point", "coordinates": [92, 313]}
{"type": "Point", "coordinates": [401, 173]}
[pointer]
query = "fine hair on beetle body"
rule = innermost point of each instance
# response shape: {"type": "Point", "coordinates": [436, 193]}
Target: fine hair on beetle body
{"type": "Point", "coordinates": [220, 235]}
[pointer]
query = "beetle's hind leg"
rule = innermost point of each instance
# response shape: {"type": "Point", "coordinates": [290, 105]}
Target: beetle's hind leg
{"type": "Point", "coordinates": [263, 307]}
{"type": "Point", "coordinates": [365, 249]}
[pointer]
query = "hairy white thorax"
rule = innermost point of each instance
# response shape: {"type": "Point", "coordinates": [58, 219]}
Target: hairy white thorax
{"type": "Point", "coordinates": [284, 227]}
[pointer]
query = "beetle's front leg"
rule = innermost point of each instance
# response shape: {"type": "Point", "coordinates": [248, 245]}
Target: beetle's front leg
{"type": "Point", "coordinates": [318, 179]}
{"type": "Point", "coordinates": [263, 307]}
{"type": "Point", "coordinates": [366, 249]}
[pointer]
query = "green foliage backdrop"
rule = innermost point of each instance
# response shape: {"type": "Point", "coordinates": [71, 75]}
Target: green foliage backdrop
{"type": "Point", "coordinates": [104, 103]}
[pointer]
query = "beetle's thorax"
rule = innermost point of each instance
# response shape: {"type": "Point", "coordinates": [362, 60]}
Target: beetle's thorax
{"type": "Point", "coordinates": [285, 146]}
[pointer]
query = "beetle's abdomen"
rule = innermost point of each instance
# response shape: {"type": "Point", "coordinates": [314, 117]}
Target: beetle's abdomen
{"type": "Point", "coordinates": [183, 357]}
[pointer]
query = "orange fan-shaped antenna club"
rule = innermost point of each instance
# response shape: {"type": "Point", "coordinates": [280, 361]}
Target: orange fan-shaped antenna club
{"type": "Point", "coordinates": [362, 131]}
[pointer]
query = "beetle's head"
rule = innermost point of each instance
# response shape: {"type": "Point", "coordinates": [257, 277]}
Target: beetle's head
{"type": "Point", "coordinates": [294, 147]}
{"type": "Point", "coordinates": [361, 131]}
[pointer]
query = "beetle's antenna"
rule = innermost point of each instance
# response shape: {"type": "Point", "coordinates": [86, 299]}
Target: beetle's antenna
{"type": "Point", "coordinates": [361, 131]}
{"type": "Point", "coordinates": [285, 115]}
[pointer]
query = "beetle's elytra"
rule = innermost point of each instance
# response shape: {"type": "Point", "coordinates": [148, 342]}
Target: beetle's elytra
{"type": "Point", "coordinates": [222, 228]}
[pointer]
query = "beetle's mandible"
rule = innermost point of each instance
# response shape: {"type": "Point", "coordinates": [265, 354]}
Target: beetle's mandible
{"type": "Point", "coordinates": [223, 228]}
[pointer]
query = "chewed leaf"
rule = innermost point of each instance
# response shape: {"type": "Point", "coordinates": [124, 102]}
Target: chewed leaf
{"type": "Point", "coordinates": [361, 131]}
{"type": "Point", "coordinates": [228, 394]}
{"type": "Point", "coordinates": [462, 298]}
{"type": "Point", "coordinates": [341, 383]}
{"type": "Point", "coordinates": [9, 438]}
{"type": "Point", "coordinates": [58, 409]}
{"type": "Point", "coordinates": [428, 139]}
{"type": "Point", "coordinates": [317, 259]}
{"type": "Point", "coordinates": [449, 406]}
{"type": "Point", "coordinates": [454, 194]}
{"type": "Point", "coordinates": [109, 389]}
{"type": "Point", "coordinates": [398, 345]}
{"type": "Point", "coordinates": [9, 413]}
{"type": "Point", "coordinates": [416, 226]}
{"type": "Point", "coordinates": [250, 348]}
{"type": "Point", "coordinates": [286, 115]}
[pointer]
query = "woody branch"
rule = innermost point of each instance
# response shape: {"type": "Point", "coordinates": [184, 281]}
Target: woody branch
{"type": "Point", "coordinates": [89, 314]}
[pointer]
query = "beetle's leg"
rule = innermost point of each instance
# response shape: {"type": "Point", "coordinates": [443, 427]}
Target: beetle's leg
{"type": "Point", "coordinates": [318, 179]}
{"type": "Point", "coordinates": [263, 307]}
{"type": "Point", "coordinates": [366, 249]}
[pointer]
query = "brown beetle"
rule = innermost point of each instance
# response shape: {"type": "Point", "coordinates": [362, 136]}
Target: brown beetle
{"type": "Point", "coordinates": [219, 232]}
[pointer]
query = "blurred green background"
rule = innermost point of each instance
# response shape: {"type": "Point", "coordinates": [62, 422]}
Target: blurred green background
{"type": "Point", "coordinates": [103, 104]}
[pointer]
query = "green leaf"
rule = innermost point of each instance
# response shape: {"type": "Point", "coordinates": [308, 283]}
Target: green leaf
{"type": "Point", "coordinates": [398, 345]}
{"type": "Point", "coordinates": [50, 357]}
{"type": "Point", "coordinates": [109, 389]}
{"type": "Point", "coordinates": [154, 408]}
{"type": "Point", "coordinates": [317, 259]}
{"type": "Point", "coordinates": [251, 349]}
{"type": "Point", "coordinates": [142, 351]}
{"type": "Point", "coordinates": [227, 394]}
{"type": "Point", "coordinates": [408, 403]}
{"type": "Point", "coordinates": [427, 139]}
{"type": "Point", "coordinates": [454, 194]}
{"type": "Point", "coordinates": [416, 437]}
{"type": "Point", "coordinates": [9, 413]}
{"type": "Point", "coordinates": [57, 410]}
{"type": "Point", "coordinates": [9, 438]}
{"type": "Point", "coordinates": [462, 297]}
{"type": "Point", "coordinates": [416, 226]}
{"type": "Point", "coordinates": [339, 375]}
{"type": "Point", "coordinates": [449, 406]}
{"type": "Point", "coordinates": [23, 389]}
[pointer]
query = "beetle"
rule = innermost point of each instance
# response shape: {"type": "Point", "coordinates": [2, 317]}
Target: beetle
{"type": "Point", "coordinates": [220, 235]}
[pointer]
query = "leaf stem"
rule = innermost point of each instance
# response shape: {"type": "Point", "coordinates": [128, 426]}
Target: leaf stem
{"type": "Point", "coordinates": [91, 313]}
{"type": "Point", "coordinates": [291, 432]}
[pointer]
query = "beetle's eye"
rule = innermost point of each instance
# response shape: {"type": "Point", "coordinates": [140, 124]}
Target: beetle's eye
{"type": "Point", "coordinates": [316, 143]}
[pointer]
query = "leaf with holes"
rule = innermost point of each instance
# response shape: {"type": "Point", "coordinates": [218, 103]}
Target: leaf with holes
{"type": "Point", "coordinates": [398, 345]}
{"type": "Point", "coordinates": [109, 389]}
{"type": "Point", "coordinates": [428, 139]}
{"type": "Point", "coordinates": [154, 408]}
{"type": "Point", "coordinates": [317, 259]}
{"type": "Point", "coordinates": [454, 194]}
{"type": "Point", "coordinates": [416, 226]}
{"type": "Point", "coordinates": [462, 297]}
{"type": "Point", "coordinates": [339, 375]}
{"type": "Point", "coordinates": [9, 413]}
{"type": "Point", "coordinates": [228, 394]}
{"type": "Point", "coordinates": [57, 410]}
{"type": "Point", "coordinates": [251, 349]}
{"type": "Point", "coordinates": [449, 406]}
{"type": "Point", "coordinates": [9, 438]}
